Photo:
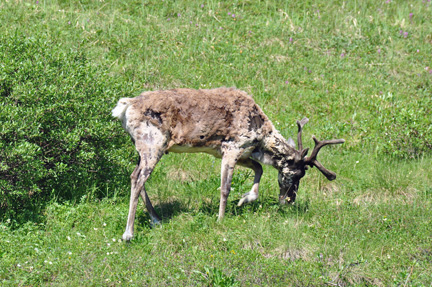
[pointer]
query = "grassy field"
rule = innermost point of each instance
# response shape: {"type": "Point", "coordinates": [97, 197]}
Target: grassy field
{"type": "Point", "coordinates": [359, 70]}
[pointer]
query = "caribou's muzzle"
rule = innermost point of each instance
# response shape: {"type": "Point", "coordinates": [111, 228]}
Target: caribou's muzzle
{"type": "Point", "coordinates": [288, 195]}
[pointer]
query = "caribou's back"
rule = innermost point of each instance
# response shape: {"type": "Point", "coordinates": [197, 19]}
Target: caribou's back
{"type": "Point", "coordinates": [199, 119]}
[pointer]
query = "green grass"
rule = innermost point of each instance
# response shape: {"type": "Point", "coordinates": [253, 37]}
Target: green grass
{"type": "Point", "coordinates": [346, 65]}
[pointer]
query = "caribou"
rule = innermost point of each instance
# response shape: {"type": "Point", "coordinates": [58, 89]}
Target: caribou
{"type": "Point", "coordinates": [223, 122]}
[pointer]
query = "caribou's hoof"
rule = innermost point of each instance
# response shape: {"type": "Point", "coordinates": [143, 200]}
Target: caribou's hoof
{"type": "Point", "coordinates": [248, 197]}
{"type": "Point", "coordinates": [127, 236]}
{"type": "Point", "coordinates": [155, 221]}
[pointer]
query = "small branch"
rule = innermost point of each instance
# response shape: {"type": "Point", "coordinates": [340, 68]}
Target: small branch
{"type": "Point", "coordinates": [406, 281]}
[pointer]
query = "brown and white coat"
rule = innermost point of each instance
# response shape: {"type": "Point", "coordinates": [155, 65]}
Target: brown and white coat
{"type": "Point", "coordinates": [224, 122]}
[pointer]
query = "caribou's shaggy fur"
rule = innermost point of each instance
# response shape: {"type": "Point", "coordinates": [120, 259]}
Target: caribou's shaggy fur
{"type": "Point", "coordinates": [224, 122]}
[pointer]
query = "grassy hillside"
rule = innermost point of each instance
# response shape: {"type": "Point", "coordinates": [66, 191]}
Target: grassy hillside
{"type": "Point", "coordinates": [359, 70]}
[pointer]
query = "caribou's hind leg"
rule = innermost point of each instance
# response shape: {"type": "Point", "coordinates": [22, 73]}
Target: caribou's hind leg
{"type": "Point", "coordinates": [150, 144]}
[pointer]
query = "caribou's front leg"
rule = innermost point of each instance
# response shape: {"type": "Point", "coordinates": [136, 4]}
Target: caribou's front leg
{"type": "Point", "coordinates": [229, 159]}
{"type": "Point", "coordinates": [253, 193]}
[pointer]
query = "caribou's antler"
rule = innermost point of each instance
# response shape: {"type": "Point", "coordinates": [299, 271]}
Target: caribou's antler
{"type": "Point", "coordinates": [300, 124]}
{"type": "Point", "coordinates": [312, 160]}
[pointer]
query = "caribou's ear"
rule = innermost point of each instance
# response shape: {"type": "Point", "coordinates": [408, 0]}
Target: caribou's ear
{"type": "Point", "coordinates": [292, 143]}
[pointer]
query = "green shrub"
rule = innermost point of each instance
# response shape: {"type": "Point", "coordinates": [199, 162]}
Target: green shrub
{"type": "Point", "coordinates": [57, 139]}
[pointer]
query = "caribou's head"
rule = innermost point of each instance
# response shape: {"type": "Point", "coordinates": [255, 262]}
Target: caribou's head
{"type": "Point", "coordinates": [293, 168]}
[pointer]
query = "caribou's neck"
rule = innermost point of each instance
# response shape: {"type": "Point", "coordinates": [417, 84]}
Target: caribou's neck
{"type": "Point", "coordinates": [274, 150]}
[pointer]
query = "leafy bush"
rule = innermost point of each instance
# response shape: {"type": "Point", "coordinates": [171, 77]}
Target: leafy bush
{"type": "Point", "coordinates": [56, 137]}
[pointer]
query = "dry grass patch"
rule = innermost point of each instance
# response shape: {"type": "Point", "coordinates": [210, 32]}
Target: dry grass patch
{"type": "Point", "coordinates": [291, 253]}
{"type": "Point", "coordinates": [380, 196]}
